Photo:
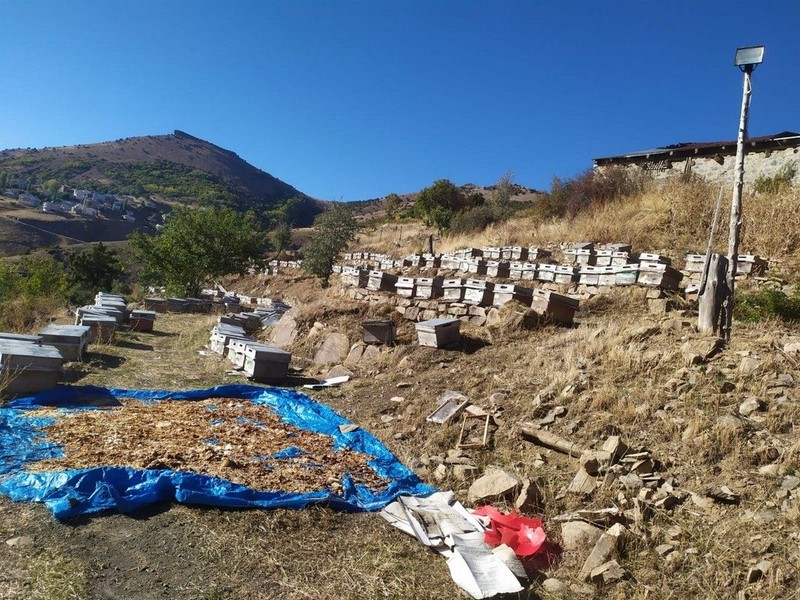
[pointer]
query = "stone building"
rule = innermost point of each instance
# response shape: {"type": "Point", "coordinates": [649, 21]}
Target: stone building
{"type": "Point", "coordinates": [714, 161]}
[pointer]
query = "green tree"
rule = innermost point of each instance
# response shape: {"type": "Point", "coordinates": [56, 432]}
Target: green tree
{"type": "Point", "coordinates": [196, 245]}
{"type": "Point", "coordinates": [50, 189]}
{"type": "Point", "coordinates": [292, 211]}
{"type": "Point", "coordinates": [94, 270]}
{"type": "Point", "coordinates": [500, 197]}
{"type": "Point", "coordinates": [390, 204]}
{"type": "Point", "coordinates": [42, 276]}
{"type": "Point", "coordinates": [333, 231]}
{"type": "Point", "coordinates": [10, 281]}
{"type": "Point", "coordinates": [282, 237]}
{"type": "Point", "coordinates": [437, 203]}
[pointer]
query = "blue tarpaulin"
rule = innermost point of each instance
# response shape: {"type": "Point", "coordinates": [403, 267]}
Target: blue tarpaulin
{"type": "Point", "coordinates": [75, 492]}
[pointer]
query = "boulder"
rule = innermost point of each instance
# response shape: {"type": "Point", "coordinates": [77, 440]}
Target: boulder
{"type": "Point", "coordinates": [339, 371]}
{"type": "Point", "coordinates": [751, 405]}
{"type": "Point", "coordinates": [284, 332]}
{"type": "Point", "coordinates": [370, 356]}
{"type": "Point", "coordinates": [699, 350]}
{"type": "Point", "coordinates": [576, 535]}
{"type": "Point", "coordinates": [495, 484]}
{"type": "Point", "coordinates": [334, 349]}
{"type": "Point", "coordinates": [606, 573]}
{"type": "Point", "coordinates": [355, 354]}
{"type": "Point", "coordinates": [603, 549]}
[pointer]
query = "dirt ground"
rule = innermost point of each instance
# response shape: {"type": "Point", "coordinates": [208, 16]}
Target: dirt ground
{"type": "Point", "coordinates": [182, 552]}
{"type": "Point", "coordinates": [618, 371]}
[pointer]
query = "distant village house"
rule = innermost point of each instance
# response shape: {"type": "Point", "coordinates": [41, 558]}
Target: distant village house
{"type": "Point", "coordinates": [765, 156]}
{"type": "Point", "coordinates": [29, 200]}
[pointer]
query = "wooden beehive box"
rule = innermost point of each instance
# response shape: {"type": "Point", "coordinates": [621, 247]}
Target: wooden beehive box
{"type": "Point", "coordinates": [176, 305]}
{"type": "Point", "coordinates": [626, 274]}
{"type": "Point", "coordinates": [415, 260]}
{"type": "Point", "coordinates": [71, 340]}
{"type": "Point", "coordinates": [520, 253]}
{"type": "Point", "coordinates": [468, 253]}
{"type": "Point", "coordinates": [450, 262]}
{"type": "Point", "coordinates": [354, 277]}
{"type": "Point", "coordinates": [142, 320]}
{"type": "Point", "coordinates": [607, 258]}
{"type": "Point", "coordinates": [222, 333]}
{"type": "Point", "coordinates": [478, 292]}
{"type": "Point", "coordinates": [580, 256]}
{"type": "Point", "coordinates": [492, 253]}
{"type": "Point", "coordinates": [20, 337]}
{"type": "Point", "coordinates": [431, 261]}
{"type": "Point", "coordinates": [27, 368]}
{"type": "Point", "coordinates": [554, 307]}
{"type": "Point", "coordinates": [649, 257]}
{"type": "Point", "coordinates": [406, 287]}
{"type": "Point", "coordinates": [497, 268]}
{"type": "Point", "coordinates": [565, 274]}
{"type": "Point", "coordinates": [380, 280]}
{"type": "Point", "coordinates": [266, 363]}
{"type": "Point", "coordinates": [101, 327]}
{"type": "Point", "coordinates": [235, 353]}
{"type": "Point", "coordinates": [476, 266]}
{"type": "Point", "coordinates": [589, 275]}
{"type": "Point", "coordinates": [607, 275]}
{"type": "Point", "coordinates": [546, 272]}
{"type": "Point", "coordinates": [453, 290]}
{"type": "Point", "coordinates": [694, 263]}
{"type": "Point", "coordinates": [535, 254]}
{"type": "Point", "coordinates": [750, 264]}
{"type": "Point", "coordinates": [439, 333]}
{"type": "Point", "coordinates": [659, 275]}
{"type": "Point", "coordinates": [378, 331]}
{"type": "Point", "coordinates": [429, 288]}
{"type": "Point", "coordinates": [506, 292]}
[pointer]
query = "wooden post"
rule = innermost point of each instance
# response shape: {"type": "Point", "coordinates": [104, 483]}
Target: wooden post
{"type": "Point", "coordinates": [736, 206]}
{"type": "Point", "coordinates": [430, 244]}
{"type": "Point", "coordinates": [713, 296]}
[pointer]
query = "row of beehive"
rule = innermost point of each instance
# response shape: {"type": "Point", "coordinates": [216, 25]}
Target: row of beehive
{"type": "Point", "coordinates": [477, 292]}
{"type": "Point", "coordinates": [651, 274]}
{"type": "Point", "coordinates": [258, 361]}
{"type": "Point", "coordinates": [108, 312]}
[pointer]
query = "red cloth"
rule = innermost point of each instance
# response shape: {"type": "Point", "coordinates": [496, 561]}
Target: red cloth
{"type": "Point", "coordinates": [523, 535]}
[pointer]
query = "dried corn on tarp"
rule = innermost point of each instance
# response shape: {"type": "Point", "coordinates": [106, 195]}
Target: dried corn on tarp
{"type": "Point", "coordinates": [24, 444]}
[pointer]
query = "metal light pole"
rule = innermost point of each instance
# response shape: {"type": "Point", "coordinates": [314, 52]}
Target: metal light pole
{"type": "Point", "coordinates": [746, 59]}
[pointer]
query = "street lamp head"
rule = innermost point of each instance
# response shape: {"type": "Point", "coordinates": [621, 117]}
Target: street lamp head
{"type": "Point", "coordinates": [747, 58]}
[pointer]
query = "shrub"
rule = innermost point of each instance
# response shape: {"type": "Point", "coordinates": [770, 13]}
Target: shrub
{"type": "Point", "coordinates": [475, 219]}
{"type": "Point", "coordinates": [767, 303]}
{"type": "Point", "coordinates": [782, 178]}
{"type": "Point", "coordinates": [568, 197]}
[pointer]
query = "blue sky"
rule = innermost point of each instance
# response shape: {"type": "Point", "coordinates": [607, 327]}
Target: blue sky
{"type": "Point", "coordinates": [356, 99]}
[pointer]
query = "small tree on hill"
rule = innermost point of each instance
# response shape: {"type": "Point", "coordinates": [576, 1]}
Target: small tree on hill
{"type": "Point", "coordinates": [438, 203]}
{"type": "Point", "coordinates": [282, 237]}
{"type": "Point", "coordinates": [196, 245]}
{"type": "Point", "coordinates": [333, 231]}
{"type": "Point", "coordinates": [390, 204]}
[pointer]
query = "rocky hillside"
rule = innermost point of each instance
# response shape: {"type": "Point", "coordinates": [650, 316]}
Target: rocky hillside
{"type": "Point", "coordinates": [177, 167]}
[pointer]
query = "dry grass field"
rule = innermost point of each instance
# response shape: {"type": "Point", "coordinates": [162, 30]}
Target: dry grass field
{"type": "Point", "coordinates": [618, 371]}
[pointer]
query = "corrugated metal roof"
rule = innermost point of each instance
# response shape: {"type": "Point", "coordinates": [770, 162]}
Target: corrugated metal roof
{"type": "Point", "coordinates": [787, 136]}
